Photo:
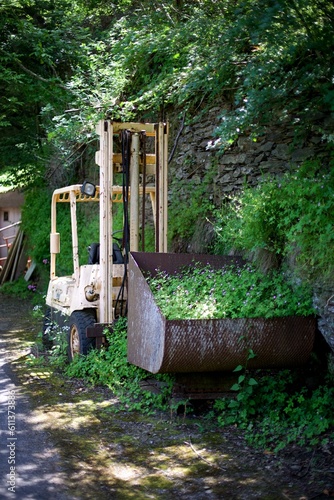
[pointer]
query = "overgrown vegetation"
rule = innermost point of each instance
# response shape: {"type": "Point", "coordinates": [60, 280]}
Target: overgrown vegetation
{"type": "Point", "coordinates": [65, 67]}
{"type": "Point", "coordinates": [234, 291]}
{"type": "Point", "coordinates": [109, 366]}
{"type": "Point", "coordinates": [276, 409]}
{"type": "Point", "coordinates": [19, 288]}
{"type": "Point", "coordinates": [290, 218]}
{"type": "Point", "coordinates": [273, 408]}
{"type": "Point", "coordinates": [186, 211]}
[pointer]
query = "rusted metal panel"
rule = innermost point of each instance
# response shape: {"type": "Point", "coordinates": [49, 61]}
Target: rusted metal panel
{"type": "Point", "coordinates": [180, 346]}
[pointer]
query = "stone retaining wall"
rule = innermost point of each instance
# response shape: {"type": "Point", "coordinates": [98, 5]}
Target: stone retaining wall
{"type": "Point", "coordinates": [246, 161]}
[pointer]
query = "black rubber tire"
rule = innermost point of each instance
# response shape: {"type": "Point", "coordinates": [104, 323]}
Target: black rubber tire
{"type": "Point", "coordinates": [78, 343]}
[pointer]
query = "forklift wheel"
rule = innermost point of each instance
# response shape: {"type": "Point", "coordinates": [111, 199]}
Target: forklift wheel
{"type": "Point", "coordinates": [78, 343]}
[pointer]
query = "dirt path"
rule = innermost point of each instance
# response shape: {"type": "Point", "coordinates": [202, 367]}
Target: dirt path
{"type": "Point", "coordinates": [72, 441]}
{"type": "Point", "coordinates": [29, 463]}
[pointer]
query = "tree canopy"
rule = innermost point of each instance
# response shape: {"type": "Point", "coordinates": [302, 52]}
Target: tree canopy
{"type": "Point", "coordinates": [65, 64]}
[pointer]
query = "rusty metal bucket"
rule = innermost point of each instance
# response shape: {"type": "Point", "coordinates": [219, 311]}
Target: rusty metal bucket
{"type": "Point", "coordinates": [181, 346]}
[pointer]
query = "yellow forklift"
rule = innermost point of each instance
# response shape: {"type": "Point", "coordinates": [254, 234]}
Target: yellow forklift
{"type": "Point", "coordinates": [96, 293]}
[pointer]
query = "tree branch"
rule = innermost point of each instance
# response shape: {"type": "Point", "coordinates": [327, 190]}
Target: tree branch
{"type": "Point", "coordinates": [38, 77]}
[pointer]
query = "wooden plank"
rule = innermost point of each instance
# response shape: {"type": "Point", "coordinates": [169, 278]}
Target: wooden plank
{"type": "Point", "coordinates": [22, 262]}
{"type": "Point", "coordinates": [134, 127]}
{"type": "Point", "coordinates": [30, 271]}
{"type": "Point", "coordinates": [10, 259]}
{"type": "Point", "coordinates": [16, 255]}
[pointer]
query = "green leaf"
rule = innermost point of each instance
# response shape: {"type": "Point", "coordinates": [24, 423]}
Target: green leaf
{"type": "Point", "coordinates": [252, 381]}
{"type": "Point", "coordinates": [251, 354]}
{"type": "Point", "coordinates": [238, 368]}
{"type": "Point", "coordinates": [233, 404]}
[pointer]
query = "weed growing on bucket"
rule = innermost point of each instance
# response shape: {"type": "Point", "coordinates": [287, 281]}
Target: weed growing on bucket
{"type": "Point", "coordinates": [233, 291]}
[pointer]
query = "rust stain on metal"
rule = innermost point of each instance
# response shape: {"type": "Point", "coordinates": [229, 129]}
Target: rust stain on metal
{"type": "Point", "coordinates": [183, 346]}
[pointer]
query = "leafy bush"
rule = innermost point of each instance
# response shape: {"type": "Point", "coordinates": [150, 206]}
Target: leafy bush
{"type": "Point", "coordinates": [36, 222]}
{"type": "Point", "coordinates": [275, 410]}
{"type": "Point", "coordinates": [290, 217]}
{"type": "Point", "coordinates": [19, 288]}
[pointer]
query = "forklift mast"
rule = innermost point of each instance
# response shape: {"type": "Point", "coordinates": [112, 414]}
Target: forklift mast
{"type": "Point", "coordinates": [137, 151]}
{"type": "Point", "coordinates": [138, 165]}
